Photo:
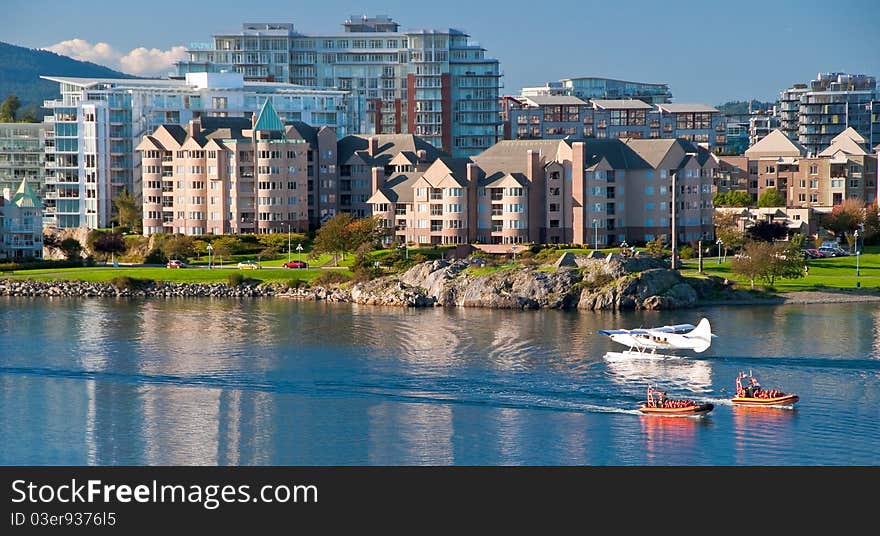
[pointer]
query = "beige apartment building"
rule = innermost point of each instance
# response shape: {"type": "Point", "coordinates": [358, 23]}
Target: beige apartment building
{"type": "Point", "coordinates": [552, 191]}
{"type": "Point", "coordinates": [227, 175]}
{"type": "Point", "coordinates": [846, 169]}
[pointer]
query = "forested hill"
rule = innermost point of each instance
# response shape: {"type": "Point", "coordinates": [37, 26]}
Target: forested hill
{"type": "Point", "coordinates": [20, 70]}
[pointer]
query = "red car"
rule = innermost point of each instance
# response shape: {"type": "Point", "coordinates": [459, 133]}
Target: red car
{"type": "Point", "coordinates": [295, 264]}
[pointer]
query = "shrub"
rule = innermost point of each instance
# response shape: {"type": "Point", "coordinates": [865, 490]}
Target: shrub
{"type": "Point", "coordinates": [297, 283]}
{"type": "Point", "coordinates": [687, 252]}
{"type": "Point", "coordinates": [235, 280]}
{"type": "Point", "coordinates": [330, 278]}
{"type": "Point", "coordinates": [39, 265]}
{"type": "Point", "coordinates": [155, 256]}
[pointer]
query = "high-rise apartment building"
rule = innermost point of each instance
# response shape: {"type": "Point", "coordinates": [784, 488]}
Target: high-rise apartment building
{"type": "Point", "coordinates": [22, 156]}
{"type": "Point", "coordinates": [436, 84]}
{"type": "Point", "coordinates": [816, 112]}
{"type": "Point", "coordinates": [95, 126]}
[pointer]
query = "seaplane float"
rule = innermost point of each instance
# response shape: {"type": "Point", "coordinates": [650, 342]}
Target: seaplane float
{"type": "Point", "coordinates": [659, 404]}
{"type": "Point", "coordinates": [750, 393]}
{"type": "Point", "coordinates": [644, 342]}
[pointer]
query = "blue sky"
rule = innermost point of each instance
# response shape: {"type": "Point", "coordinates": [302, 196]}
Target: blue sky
{"type": "Point", "coordinates": [708, 52]}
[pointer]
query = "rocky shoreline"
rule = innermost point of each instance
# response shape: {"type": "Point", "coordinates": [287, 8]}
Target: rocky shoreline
{"type": "Point", "coordinates": [583, 283]}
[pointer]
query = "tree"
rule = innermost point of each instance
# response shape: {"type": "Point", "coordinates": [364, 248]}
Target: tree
{"type": "Point", "coordinates": [727, 230]}
{"type": "Point", "coordinates": [128, 211]}
{"type": "Point", "coordinates": [767, 231]}
{"type": "Point", "coordinates": [365, 231]}
{"type": "Point", "coordinates": [222, 250]}
{"type": "Point", "coordinates": [179, 247]}
{"type": "Point", "coordinates": [771, 198]}
{"type": "Point", "coordinates": [732, 198]}
{"type": "Point", "coordinates": [9, 109]}
{"type": "Point", "coordinates": [71, 247]}
{"type": "Point", "coordinates": [107, 243]}
{"type": "Point", "coordinates": [655, 248]}
{"type": "Point", "coordinates": [332, 237]}
{"type": "Point", "coordinates": [845, 217]}
{"type": "Point", "coordinates": [769, 262]}
{"type": "Point", "coordinates": [872, 224]}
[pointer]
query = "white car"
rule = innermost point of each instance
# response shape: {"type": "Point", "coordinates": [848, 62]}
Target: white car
{"type": "Point", "coordinates": [248, 265]}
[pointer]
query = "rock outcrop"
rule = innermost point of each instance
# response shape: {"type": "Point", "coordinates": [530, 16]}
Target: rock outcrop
{"type": "Point", "coordinates": [613, 282]}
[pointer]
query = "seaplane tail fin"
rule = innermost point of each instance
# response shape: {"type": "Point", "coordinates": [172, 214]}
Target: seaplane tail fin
{"type": "Point", "coordinates": [702, 335]}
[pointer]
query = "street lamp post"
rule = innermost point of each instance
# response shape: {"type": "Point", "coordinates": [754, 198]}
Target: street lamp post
{"type": "Point", "coordinates": [288, 242]}
{"type": "Point", "coordinates": [856, 234]}
{"type": "Point", "coordinates": [299, 251]}
{"type": "Point", "coordinates": [513, 250]}
{"type": "Point", "coordinates": [596, 234]}
{"type": "Point", "coordinates": [720, 243]}
{"type": "Point", "coordinates": [210, 249]}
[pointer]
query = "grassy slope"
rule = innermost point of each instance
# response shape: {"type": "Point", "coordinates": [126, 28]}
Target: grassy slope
{"type": "Point", "coordinates": [836, 272]}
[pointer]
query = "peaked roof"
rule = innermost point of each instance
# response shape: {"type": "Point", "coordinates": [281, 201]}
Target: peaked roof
{"type": "Point", "coordinates": [846, 142]}
{"type": "Point", "coordinates": [25, 197]}
{"type": "Point", "coordinates": [268, 119]}
{"type": "Point", "coordinates": [388, 146]}
{"type": "Point", "coordinates": [776, 144]}
{"type": "Point", "coordinates": [850, 133]}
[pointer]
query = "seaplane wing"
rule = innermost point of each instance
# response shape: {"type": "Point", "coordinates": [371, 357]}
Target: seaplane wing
{"type": "Point", "coordinates": [678, 337]}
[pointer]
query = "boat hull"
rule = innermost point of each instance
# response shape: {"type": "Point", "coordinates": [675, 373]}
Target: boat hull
{"type": "Point", "coordinates": [787, 400]}
{"type": "Point", "coordinates": [691, 411]}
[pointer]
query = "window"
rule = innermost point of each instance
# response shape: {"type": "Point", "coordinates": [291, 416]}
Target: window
{"type": "Point", "coordinates": [455, 207]}
{"type": "Point", "coordinates": [814, 169]}
{"type": "Point", "coordinates": [649, 206]}
{"type": "Point", "coordinates": [814, 184]}
{"type": "Point", "coordinates": [649, 190]}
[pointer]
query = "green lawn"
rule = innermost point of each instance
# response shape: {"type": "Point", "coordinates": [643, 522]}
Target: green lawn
{"type": "Point", "coordinates": [185, 275]}
{"type": "Point", "coordinates": [835, 272]}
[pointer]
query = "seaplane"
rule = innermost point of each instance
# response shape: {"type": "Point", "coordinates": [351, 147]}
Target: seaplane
{"type": "Point", "coordinates": [644, 342]}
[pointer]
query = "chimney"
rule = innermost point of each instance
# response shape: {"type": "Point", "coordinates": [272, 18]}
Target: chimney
{"type": "Point", "coordinates": [533, 164]}
{"type": "Point", "coordinates": [195, 127]}
{"type": "Point", "coordinates": [473, 182]}
{"type": "Point", "coordinates": [378, 176]}
{"type": "Point", "coordinates": [422, 155]}
{"type": "Point", "coordinates": [373, 146]}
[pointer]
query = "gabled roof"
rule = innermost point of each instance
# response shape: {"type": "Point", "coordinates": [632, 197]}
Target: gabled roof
{"type": "Point", "coordinates": [846, 144]}
{"type": "Point", "coordinates": [652, 152]}
{"type": "Point", "coordinates": [25, 197]}
{"type": "Point", "coordinates": [175, 131]}
{"type": "Point", "coordinates": [505, 180]}
{"type": "Point", "coordinates": [389, 145]}
{"type": "Point", "coordinates": [268, 118]}
{"type": "Point", "coordinates": [397, 189]}
{"type": "Point", "coordinates": [148, 143]}
{"type": "Point", "coordinates": [297, 130]}
{"type": "Point", "coordinates": [510, 155]}
{"type": "Point", "coordinates": [224, 128]}
{"type": "Point", "coordinates": [850, 133]}
{"type": "Point", "coordinates": [775, 144]}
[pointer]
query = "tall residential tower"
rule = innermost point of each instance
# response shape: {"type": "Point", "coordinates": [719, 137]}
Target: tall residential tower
{"type": "Point", "coordinates": [436, 84]}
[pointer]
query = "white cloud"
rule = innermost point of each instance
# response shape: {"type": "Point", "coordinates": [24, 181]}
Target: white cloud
{"type": "Point", "coordinates": [140, 61]}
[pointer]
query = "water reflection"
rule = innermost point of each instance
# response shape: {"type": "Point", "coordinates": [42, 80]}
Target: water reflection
{"type": "Point", "coordinates": [229, 382]}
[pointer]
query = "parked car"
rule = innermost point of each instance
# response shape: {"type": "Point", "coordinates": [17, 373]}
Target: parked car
{"type": "Point", "coordinates": [814, 253]}
{"type": "Point", "coordinates": [296, 264]}
{"type": "Point", "coordinates": [248, 265]}
{"type": "Point", "coordinates": [841, 252]}
{"type": "Point", "coordinates": [829, 252]}
{"type": "Point", "coordinates": [174, 263]}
